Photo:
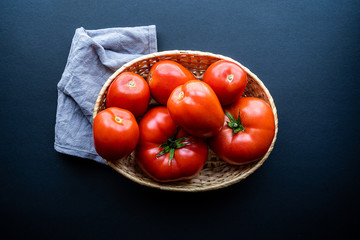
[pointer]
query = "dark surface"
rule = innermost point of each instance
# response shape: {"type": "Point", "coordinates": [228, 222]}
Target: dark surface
{"type": "Point", "coordinates": [307, 53]}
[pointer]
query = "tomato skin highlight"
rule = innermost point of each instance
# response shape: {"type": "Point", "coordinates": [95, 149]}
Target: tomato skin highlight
{"type": "Point", "coordinates": [164, 77]}
{"type": "Point", "coordinates": [129, 91]}
{"type": "Point", "coordinates": [227, 79]}
{"type": "Point", "coordinates": [251, 144]}
{"type": "Point", "coordinates": [195, 107]}
{"type": "Point", "coordinates": [115, 133]}
{"type": "Point", "coordinates": [156, 127]}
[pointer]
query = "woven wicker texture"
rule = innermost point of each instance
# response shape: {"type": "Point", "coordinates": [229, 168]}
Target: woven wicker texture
{"type": "Point", "coordinates": [216, 173]}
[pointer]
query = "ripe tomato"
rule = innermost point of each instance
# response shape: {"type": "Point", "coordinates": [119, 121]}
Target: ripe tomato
{"type": "Point", "coordinates": [227, 79]}
{"type": "Point", "coordinates": [115, 133]}
{"type": "Point", "coordinates": [164, 76]}
{"type": "Point", "coordinates": [129, 91]}
{"type": "Point", "coordinates": [165, 152]}
{"type": "Point", "coordinates": [248, 131]}
{"type": "Point", "coordinates": [195, 107]}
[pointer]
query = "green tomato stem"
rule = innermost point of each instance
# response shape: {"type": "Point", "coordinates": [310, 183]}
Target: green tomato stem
{"type": "Point", "coordinates": [235, 124]}
{"type": "Point", "coordinates": [171, 145]}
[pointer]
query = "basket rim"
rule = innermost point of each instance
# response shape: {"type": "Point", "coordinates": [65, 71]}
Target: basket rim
{"type": "Point", "coordinates": [161, 186]}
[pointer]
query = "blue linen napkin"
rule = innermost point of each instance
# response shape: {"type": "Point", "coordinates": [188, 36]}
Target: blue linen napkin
{"type": "Point", "coordinates": [94, 56]}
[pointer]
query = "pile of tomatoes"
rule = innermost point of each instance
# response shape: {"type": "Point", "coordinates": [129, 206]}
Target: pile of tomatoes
{"type": "Point", "coordinates": [171, 140]}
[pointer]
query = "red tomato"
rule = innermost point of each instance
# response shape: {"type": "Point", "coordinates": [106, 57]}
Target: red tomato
{"type": "Point", "coordinates": [195, 107]}
{"type": "Point", "coordinates": [115, 133]}
{"type": "Point", "coordinates": [129, 91]}
{"type": "Point", "coordinates": [248, 131]}
{"type": "Point", "coordinates": [164, 76]}
{"type": "Point", "coordinates": [165, 152]}
{"type": "Point", "coordinates": [227, 79]}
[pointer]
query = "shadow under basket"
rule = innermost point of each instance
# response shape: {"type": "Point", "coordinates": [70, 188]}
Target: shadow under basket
{"type": "Point", "coordinates": [216, 173]}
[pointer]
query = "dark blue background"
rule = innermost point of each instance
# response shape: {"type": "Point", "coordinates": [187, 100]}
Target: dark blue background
{"type": "Point", "coordinates": [306, 52]}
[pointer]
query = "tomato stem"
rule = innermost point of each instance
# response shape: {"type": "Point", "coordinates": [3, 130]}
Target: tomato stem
{"type": "Point", "coordinates": [235, 124]}
{"type": "Point", "coordinates": [171, 145]}
{"type": "Point", "coordinates": [230, 77]}
{"type": "Point", "coordinates": [118, 119]}
{"type": "Point", "coordinates": [132, 83]}
{"type": "Point", "coordinates": [181, 95]}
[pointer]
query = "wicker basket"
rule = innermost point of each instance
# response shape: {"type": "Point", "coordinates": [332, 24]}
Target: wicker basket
{"type": "Point", "coordinates": [216, 173]}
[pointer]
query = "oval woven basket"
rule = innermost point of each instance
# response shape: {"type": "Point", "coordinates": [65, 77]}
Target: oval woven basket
{"type": "Point", "coordinates": [216, 173]}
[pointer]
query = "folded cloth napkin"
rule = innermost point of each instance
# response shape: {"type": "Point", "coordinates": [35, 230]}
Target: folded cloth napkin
{"type": "Point", "coordinates": [94, 56]}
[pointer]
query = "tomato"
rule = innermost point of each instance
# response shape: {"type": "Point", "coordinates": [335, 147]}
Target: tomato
{"type": "Point", "coordinates": [164, 76]}
{"type": "Point", "coordinates": [129, 91]}
{"type": "Point", "coordinates": [248, 131]}
{"type": "Point", "coordinates": [227, 79]}
{"type": "Point", "coordinates": [115, 133]}
{"type": "Point", "coordinates": [195, 107]}
{"type": "Point", "coordinates": [165, 152]}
